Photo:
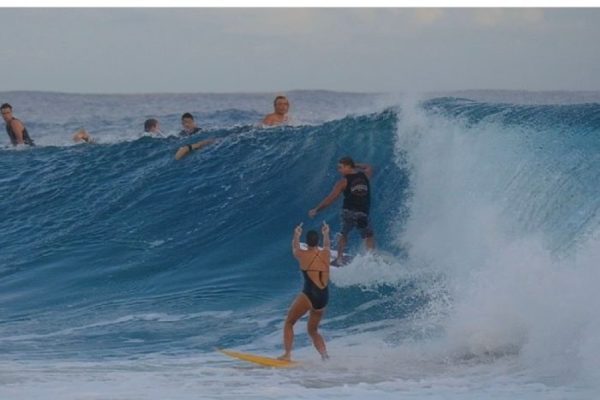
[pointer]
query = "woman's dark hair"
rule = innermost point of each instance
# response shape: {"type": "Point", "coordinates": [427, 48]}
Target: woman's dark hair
{"type": "Point", "coordinates": [312, 238]}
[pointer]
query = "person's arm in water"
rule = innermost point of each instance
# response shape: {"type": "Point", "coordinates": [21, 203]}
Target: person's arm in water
{"type": "Point", "coordinates": [187, 149]}
{"type": "Point", "coordinates": [326, 240]}
{"type": "Point", "coordinates": [296, 240]}
{"type": "Point", "coordinates": [17, 128]}
{"type": "Point", "coordinates": [366, 168]}
{"type": "Point", "coordinates": [337, 190]}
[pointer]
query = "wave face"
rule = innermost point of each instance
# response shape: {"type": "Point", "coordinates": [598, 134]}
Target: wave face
{"type": "Point", "coordinates": [121, 265]}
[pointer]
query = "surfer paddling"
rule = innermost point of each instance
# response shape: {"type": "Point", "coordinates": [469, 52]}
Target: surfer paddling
{"type": "Point", "coordinates": [314, 264]}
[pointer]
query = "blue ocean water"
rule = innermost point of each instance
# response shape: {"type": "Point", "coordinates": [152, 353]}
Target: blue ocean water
{"type": "Point", "coordinates": [122, 269]}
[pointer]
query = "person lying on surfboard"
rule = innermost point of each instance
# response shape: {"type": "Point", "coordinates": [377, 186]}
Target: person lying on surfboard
{"type": "Point", "coordinates": [314, 264]}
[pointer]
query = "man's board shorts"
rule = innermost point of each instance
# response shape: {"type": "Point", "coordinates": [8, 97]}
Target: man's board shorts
{"type": "Point", "coordinates": [356, 219]}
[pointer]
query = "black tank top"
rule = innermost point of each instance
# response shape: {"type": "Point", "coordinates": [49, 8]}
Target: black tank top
{"type": "Point", "coordinates": [357, 195]}
{"type": "Point", "coordinates": [186, 133]}
{"type": "Point", "coordinates": [13, 137]}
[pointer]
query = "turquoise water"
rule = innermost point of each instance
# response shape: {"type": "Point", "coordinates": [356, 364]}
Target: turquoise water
{"type": "Point", "coordinates": [123, 269]}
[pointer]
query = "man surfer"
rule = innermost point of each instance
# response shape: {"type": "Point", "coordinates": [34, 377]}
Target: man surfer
{"type": "Point", "coordinates": [356, 188]}
{"type": "Point", "coordinates": [314, 264]}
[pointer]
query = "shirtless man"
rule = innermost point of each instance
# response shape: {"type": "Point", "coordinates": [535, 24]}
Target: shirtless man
{"type": "Point", "coordinates": [281, 107]}
{"type": "Point", "coordinates": [14, 128]}
{"type": "Point", "coordinates": [314, 264]}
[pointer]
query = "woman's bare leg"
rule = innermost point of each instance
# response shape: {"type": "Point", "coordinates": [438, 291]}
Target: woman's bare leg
{"type": "Point", "coordinates": [298, 308]}
{"type": "Point", "coordinates": [313, 330]}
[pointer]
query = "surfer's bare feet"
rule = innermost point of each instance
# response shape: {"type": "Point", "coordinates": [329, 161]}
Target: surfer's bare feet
{"type": "Point", "coordinates": [324, 356]}
{"type": "Point", "coordinates": [285, 357]}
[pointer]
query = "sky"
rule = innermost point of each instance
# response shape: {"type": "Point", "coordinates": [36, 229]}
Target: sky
{"type": "Point", "coordinates": [157, 50]}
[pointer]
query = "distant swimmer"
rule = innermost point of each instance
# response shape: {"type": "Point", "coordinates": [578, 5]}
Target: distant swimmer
{"type": "Point", "coordinates": [189, 125]}
{"type": "Point", "coordinates": [82, 136]}
{"type": "Point", "coordinates": [14, 128]}
{"type": "Point", "coordinates": [189, 148]}
{"type": "Point", "coordinates": [314, 264]}
{"type": "Point", "coordinates": [281, 107]}
{"type": "Point", "coordinates": [152, 127]}
{"type": "Point", "coordinates": [356, 187]}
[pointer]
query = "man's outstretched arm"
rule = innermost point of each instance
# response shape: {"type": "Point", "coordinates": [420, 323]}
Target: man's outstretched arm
{"type": "Point", "coordinates": [331, 197]}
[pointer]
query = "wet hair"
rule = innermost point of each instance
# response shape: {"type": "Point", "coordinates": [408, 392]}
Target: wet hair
{"type": "Point", "coordinates": [5, 105]}
{"type": "Point", "coordinates": [187, 115]}
{"type": "Point", "coordinates": [312, 238]}
{"type": "Point", "coordinates": [149, 124]}
{"type": "Point", "coordinates": [278, 98]}
{"type": "Point", "coordinates": [347, 161]}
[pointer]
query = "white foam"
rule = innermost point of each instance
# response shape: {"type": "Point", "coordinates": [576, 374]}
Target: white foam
{"type": "Point", "coordinates": [370, 271]}
{"type": "Point", "coordinates": [511, 293]}
{"type": "Point", "coordinates": [356, 375]}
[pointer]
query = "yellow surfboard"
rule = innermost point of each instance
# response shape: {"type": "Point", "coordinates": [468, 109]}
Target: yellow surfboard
{"type": "Point", "coordinates": [260, 360]}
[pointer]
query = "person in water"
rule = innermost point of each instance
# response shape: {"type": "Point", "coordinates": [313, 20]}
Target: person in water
{"type": "Point", "coordinates": [189, 125]}
{"type": "Point", "coordinates": [152, 127]}
{"type": "Point", "coordinates": [82, 136]}
{"type": "Point", "coordinates": [14, 128]}
{"type": "Point", "coordinates": [314, 264]}
{"type": "Point", "coordinates": [281, 107]}
{"type": "Point", "coordinates": [356, 187]}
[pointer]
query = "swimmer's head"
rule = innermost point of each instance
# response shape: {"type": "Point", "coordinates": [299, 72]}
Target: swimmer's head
{"type": "Point", "coordinates": [187, 121]}
{"type": "Point", "coordinates": [151, 125]}
{"type": "Point", "coordinates": [6, 110]}
{"type": "Point", "coordinates": [281, 105]}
